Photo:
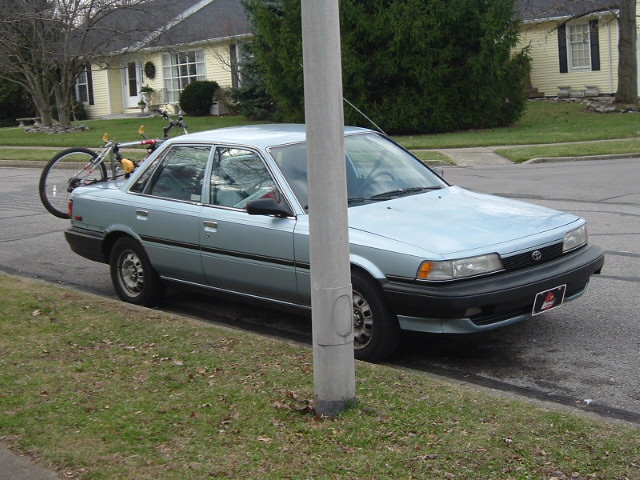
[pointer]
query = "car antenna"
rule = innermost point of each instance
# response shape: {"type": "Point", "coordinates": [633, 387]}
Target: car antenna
{"type": "Point", "coordinates": [362, 113]}
{"type": "Point", "coordinates": [359, 111]}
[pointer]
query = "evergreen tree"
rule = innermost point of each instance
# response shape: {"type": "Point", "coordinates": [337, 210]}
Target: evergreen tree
{"type": "Point", "coordinates": [413, 66]}
{"type": "Point", "coordinates": [250, 98]}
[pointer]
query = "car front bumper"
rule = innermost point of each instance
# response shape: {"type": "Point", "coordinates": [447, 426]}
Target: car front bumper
{"type": "Point", "coordinates": [489, 302]}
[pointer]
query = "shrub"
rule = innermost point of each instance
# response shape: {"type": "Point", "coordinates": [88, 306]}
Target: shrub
{"type": "Point", "coordinates": [413, 66]}
{"type": "Point", "coordinates": [197, 97]}
{"type": "Point", "coordinates": [79, 112]}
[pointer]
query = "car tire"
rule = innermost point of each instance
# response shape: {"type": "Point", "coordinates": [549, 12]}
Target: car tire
{"type": "Point", "coordinates": [134, 279]}
{"type": "Point", "coordinates": [376, 331]}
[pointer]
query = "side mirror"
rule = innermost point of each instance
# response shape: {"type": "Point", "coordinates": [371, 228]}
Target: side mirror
{"type": "Point", "coordinates": [268, 206]}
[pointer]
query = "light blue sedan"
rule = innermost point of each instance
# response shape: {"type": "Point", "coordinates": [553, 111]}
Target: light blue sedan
{"type": "Point", "coordinates": [226, 211]}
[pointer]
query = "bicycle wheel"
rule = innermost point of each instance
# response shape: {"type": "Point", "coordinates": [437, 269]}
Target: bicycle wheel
{"type": "Point", "coordinates": [67, 170]}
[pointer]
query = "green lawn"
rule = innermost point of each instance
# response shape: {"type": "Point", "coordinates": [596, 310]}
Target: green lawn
{"type": "Point", "coordinates": [104, 390]}
{"type": "Point", "coordinates": [121, 130]}
{"type": "Point", "coordinates": [544, 123]}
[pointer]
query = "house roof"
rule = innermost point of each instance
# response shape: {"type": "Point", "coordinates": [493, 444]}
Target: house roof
{"type": "Point", "coordinates": [158, 24]}
{"type": "Point", "coordinates": [214, 19]}
{"type": "Point", "coordinates": [540, 10]}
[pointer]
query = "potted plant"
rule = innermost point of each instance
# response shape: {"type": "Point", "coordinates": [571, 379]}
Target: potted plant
{"type": "Point", "coordinates": [146, 92]}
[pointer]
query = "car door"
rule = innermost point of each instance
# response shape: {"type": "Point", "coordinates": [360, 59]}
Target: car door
{"type": "Point", "coordinates": [166, 213]}
{"type": "Point", "coordinates": [242, 253]}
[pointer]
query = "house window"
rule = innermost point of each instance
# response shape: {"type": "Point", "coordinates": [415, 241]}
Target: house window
{"type": "Point", "coordinates": [84, 87]}
{"type": "Point", "coordinates": [179, 70]}
{"type": "Point", "coordinates": [578, 46]}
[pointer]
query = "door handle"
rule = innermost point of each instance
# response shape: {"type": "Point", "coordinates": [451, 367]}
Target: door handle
{"type": "Point", "coordinates": [210, 226]}
{"type": "Point", "coordinates": [142, 213]}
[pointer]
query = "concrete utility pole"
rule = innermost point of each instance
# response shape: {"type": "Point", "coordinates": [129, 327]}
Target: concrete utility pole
{"type": "Point", "coordinates": [332, 308]}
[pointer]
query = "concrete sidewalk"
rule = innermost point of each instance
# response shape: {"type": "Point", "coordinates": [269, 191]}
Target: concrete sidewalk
{"type": "Point", "coordinates": [18, 467]}
{"type": "Point", "coordinates": [467, 157]}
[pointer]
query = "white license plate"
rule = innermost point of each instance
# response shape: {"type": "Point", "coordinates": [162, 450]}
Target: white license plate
{"type": "Point", "coordinates": [549, 299]}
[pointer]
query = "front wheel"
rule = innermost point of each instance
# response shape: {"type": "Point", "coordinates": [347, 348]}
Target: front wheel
{"type": "Point", "coordinates": [376, 332]}
{"type": "Point", "coordinates": [64, 172]}
{"type": "Point", "coordinates": [134, 279]}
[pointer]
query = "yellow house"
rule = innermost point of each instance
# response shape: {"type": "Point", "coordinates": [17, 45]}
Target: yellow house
{"type": "Point", "coordinates": [198, 42]}
{"type": "Point", "coordinates": [573, 46]}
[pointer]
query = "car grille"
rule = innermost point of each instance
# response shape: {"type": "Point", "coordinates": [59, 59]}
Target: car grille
{"type": "Point", "coordinates": [526, 259]}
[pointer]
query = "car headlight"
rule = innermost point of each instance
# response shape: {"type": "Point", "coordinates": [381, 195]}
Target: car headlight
{"type": "Point", "coordinates": [461, 268]}
{"type": "Point", "coordinates": [575, 238]}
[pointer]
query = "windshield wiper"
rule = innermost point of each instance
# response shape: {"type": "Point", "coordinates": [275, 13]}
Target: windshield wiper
{"type": "Point", "coordinates": [399, 192]}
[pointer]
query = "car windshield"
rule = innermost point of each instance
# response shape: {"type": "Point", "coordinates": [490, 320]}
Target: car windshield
{"type": "Point", "coordinates": [376, 169]}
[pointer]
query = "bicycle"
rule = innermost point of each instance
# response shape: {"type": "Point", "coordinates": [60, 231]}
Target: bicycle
{"type": "Point", "coordinates": [87, 167]}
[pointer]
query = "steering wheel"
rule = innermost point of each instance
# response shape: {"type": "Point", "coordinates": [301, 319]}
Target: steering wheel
{"type": "Point", "coordinates": [375, 175]}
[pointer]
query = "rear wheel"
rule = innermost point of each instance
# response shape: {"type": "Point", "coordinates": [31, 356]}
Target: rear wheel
{"type": "Point", "coordinates": [376, 332]}
{"type": "Point", "coordinates": [134, 279]}
{"type": "Point", "coordinates": [67, 170]}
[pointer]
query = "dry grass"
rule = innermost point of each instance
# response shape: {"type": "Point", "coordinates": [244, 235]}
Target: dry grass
{"type": "Point", "coordinates": [102, 390]}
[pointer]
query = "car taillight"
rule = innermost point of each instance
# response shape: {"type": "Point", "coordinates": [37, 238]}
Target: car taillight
{"type": "Point", "coordinates": [70, 209]}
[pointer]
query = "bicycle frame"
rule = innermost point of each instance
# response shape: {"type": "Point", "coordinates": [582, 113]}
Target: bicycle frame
{"type": "Point", "coordinates": [112, 149]}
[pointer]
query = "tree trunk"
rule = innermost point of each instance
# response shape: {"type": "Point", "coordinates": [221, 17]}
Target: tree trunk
{"type": "Point", "coordinates": [40, 91]}
{"type": "Point", "coordinates": [64, 103]}
{"type": "Point", "coordinates": [44, 112]}
{"type": "Point", "coordinates": [627, 59]}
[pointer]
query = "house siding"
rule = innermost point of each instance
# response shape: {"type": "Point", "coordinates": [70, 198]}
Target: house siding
{"type": "Point", "coordinates": [542, 39]}
{"type": "Point", "coordinates": [156, 83]}
{"type": "Point", "coordinates": [104, 91]}
{"type": "Point", "coordinates": [108, 83]}
{"type": "Point", "coordinates": [217, 64]}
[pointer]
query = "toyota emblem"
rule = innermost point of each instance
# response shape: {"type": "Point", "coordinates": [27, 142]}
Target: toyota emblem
{"type": "Point", "coordinates": [537, 255]}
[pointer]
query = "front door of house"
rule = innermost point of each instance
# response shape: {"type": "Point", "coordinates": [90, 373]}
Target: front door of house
{"type": "Point", "coordinates": [131, 84]}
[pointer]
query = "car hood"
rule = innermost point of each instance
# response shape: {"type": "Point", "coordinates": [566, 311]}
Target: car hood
{"type": "Point", "coordinates": [454, 220]}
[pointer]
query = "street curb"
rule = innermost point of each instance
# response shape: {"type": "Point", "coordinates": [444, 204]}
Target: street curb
{"type": "Point", "coordinates": [22, 163]}
{"type": "Point", "coordinates": [615, 156]}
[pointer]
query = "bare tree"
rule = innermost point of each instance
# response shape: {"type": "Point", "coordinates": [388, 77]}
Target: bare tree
{"type": "Point", "coordinates": [23, 24]}
{"type": "Point", "coordinates": [45, 44]}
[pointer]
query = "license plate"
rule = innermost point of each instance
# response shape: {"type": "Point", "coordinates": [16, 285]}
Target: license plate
{"type": "Point", "coordinates": [549, 299]}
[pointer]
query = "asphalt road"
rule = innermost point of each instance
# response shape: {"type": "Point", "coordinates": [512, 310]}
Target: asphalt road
{"type": "Point", "coordinates": [585, 354]}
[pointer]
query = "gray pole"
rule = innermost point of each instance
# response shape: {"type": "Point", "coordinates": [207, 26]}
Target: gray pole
{"type": "Point", "coordinates": [332, 310]}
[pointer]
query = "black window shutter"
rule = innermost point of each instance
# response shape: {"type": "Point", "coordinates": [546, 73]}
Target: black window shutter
{"type": "Point", "coordinates": [562, 48]}
{"type": "Point", "coordinates": [595, 44]}
{"type": "Point", "coordinates": [90, 84]}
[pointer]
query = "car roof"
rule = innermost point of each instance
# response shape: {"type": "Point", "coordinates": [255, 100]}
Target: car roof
{"type": "Point", "coordinates": [262, 136]}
